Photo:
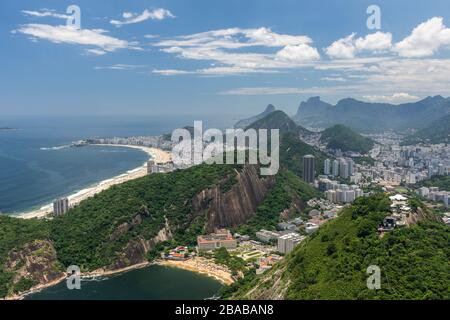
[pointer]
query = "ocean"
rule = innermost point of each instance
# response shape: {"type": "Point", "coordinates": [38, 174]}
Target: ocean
{"type": "Point", "coordinates": [36, 166]}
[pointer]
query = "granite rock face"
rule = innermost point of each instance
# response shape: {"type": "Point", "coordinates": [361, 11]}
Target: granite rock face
{"type": "Point", "coordinates": [36, 261]}
{"type": "Point", "coordinates": [236, 206]}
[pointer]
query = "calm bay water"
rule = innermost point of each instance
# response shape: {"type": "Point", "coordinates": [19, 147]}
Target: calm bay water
{"type": "Point", "coordinates": [151, 283]}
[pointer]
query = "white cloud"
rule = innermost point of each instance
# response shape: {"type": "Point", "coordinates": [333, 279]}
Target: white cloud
{"type": "Point", "coordinates": [377, 41]}
{"type": "Point", "coordinates": [96, 39]}
{"type": "Point", "coordinates": [235, 38]}
{"type": "Point", "coordinates": [130, 18]}
{"type": "Point", "coordinates": [343, 48]}
{"type": "Point", "coordinates": [421, 76]}
{"type": "Point", "coordinates": [151, 36]}
{"type": "Point", "coordinates": [255, 91]}
{"type": "Point", "coordinates": [214, 71]}
{"type": "Point", "coordinates": [348, 47]}
{"type": "Point", "coordinates": [120, 67]}
{"type": "Point", "coordinates": [45, 13]}
{"type": "Point", "coordinates": [336, 79]}
{"type": "Point", "coordinates": [298, 53]}
{"type": "Point", "coordinates": [425, 39]}
{"type": "Point", "coordinates": [96, 52]}
{"type": "Point", "coordinates": [219, 47]}
{"type": "Point", "coordinates": [170, 72]}
{"type": "Point", "coordinates": [394, 98]}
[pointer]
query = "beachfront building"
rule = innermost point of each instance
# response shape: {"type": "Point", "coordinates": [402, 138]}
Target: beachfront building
{"type": "Point", "coordinates": [150, 165]}
{"type": "Point", "coordinates": [60, 206]}
{"type": "Point", "coordinates": [153, 167]}
{"type": "Point", "coordinates": [220, 238]}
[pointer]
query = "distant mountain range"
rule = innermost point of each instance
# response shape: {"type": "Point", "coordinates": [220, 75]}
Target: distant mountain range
{"type": "Point", "coordinates": [344, 138]}
{"type": "Point", "coordinates": [336, 137]}
{"type": "Point", "coordinates": [246, 122]}
{"type": "Point", "coordinates": [371, 117]}
{"type": "Point", "coordinates": [437, 132]}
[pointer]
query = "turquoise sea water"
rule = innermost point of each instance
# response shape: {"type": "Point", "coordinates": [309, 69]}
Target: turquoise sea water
{"type": "Point", "coordinates": [151, 283]}
{"type": "Point", "coordinates": [36, 168]}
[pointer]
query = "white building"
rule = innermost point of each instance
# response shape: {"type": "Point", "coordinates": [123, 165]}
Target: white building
{"type": "Point", "coordinates": [287, 242]}
{"type": "Point", "coordinates": [60, 206]}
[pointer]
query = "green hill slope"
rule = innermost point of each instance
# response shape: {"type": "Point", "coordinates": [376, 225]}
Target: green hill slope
{"type": "Point", "coordinates": [332, 263]}
{"type": "Point", "coordinates": [442, 182]}
{"type": "Point", "coordinates": [130, 222]}
{"type": "Point", "coordinates": [292, 151]}
{"type": "Point", "coordinates": [437, 132]}
{"type": "Point", "coordinates": [344, 138]}
{"type": "Point", "coordinates": [278, 120]}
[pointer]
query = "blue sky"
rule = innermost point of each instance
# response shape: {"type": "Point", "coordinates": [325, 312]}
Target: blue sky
{"type": "Point", "coordinates": [217, 57]}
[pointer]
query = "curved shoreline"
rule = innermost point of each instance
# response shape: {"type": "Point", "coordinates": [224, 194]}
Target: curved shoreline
{"type": "Point", "coordinates": [97, 273]}
{"type": "Point", "coordinates": [155, 154]}
{"type": "Point", "coordinates": [198, 265]}
{"type": "Point", "coordinates": [202, 266]}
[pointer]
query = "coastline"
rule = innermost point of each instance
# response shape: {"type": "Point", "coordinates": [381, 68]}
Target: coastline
{"type": "Point", "coordinates": [197, 264]}
{"type": "Point", "coordinates": [203, 266]}
{"type": "Point", "coordinates": [158, 155]}
{"type": "Point", "coordinates": [96, 273]}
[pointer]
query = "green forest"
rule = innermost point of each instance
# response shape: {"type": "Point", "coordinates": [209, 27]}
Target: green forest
{"type": "Point", "coordinates": [442, 182]}
{"type": "Point", "coordinates": [344, 138]}
{"type": "Point", "coordinates": [332, 264]}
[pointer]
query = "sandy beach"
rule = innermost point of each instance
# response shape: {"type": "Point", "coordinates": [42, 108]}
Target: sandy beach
{"type": "Point", "coordinates": [203, 266]}
{"type": "Point", "coordinates": [157, 155]}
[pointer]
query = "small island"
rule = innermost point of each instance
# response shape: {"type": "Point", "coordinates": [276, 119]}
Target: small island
{"type": "Point", "coordinates": [8, 129]}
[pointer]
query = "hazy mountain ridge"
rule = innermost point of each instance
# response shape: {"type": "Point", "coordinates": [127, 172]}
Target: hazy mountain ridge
{"type": "Point", "coordinates": [370, 117]}
{"type": "Point", "coordinates": [437, 132]}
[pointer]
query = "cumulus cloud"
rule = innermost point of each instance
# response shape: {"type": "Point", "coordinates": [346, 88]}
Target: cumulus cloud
{"type": "Point", "coordinates": [343, 48]}
{"type": "Point", "coordinates": [425, 39]}
{"type": "Point", "coordinates": [298, 53]}
{"type": "Point", "coordinates": [155, 14]}
{"type": "Point", "coordinates": [348, 47]}
{"type": "Point", "coordinates": [394, 98]}
{"type": "Point", "coordinates": [96, 40]}
{"type": "Point", "coordinates": [377, 41]}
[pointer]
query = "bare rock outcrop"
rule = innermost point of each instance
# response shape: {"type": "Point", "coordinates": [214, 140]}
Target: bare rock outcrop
{"type": "Point", "coordinates": [237, 205]}
{"type": "Point", "coordinates": [135, 251]}
{"type": "Point", "coordinates": [36, 261]}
